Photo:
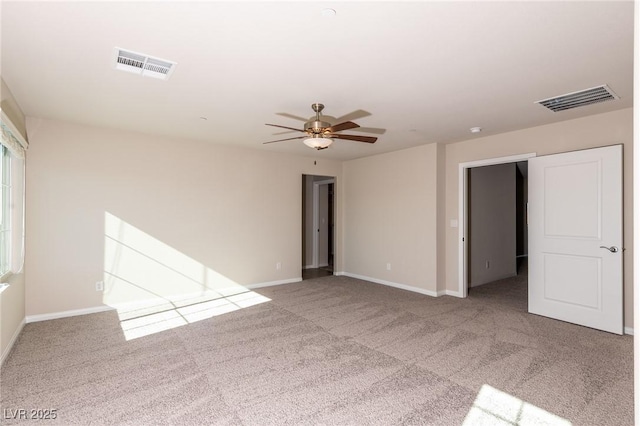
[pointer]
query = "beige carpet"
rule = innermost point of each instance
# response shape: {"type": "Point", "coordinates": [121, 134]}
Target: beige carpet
{"type": "Point", "coordinates": [329, 351]}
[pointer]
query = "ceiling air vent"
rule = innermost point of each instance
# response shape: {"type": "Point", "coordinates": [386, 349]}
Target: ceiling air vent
{"type": "Point", "coordinates": [144, 65]}
{"type": "Point", "coordinates": [577, 99]}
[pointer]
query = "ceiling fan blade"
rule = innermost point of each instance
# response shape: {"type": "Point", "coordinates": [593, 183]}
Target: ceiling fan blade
{"type": "Point", "coordinates": [342, 126]}
{"type": "Point", "coordinates": [374, 130]}
{"type": "Point", "coordinates": [353, 115]}
{"type": "Point", "coordinates": [367, 139]}
{"type": "Point", "coordinates": [281, 140]}
{"type": "Point", "coordinates": [295, 117]}
{"type": "Point", "coordinates": [285, 127]}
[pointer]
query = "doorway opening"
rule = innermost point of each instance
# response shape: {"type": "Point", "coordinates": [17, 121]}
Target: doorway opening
{"type": "Point", "coordinates": [486, 268]}
{"type": "Point", "coordinates": [497, 233]}
{"type": "Point", "coordinates": [318, 226]}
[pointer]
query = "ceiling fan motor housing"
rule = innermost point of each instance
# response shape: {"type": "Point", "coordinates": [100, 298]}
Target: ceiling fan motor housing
{"type": "Point", "coordinates": [316, 127]}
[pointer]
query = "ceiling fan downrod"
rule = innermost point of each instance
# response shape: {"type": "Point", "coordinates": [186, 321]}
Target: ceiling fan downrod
{"type": "Point", "coordinates": [316, 127]}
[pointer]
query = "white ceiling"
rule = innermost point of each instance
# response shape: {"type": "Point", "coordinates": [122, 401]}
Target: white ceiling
{"type": "Point", "coordinates": [425, 71]}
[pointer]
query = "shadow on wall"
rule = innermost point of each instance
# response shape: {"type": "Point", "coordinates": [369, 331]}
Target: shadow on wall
{"type": "Point", "coordinates": [155, 287]}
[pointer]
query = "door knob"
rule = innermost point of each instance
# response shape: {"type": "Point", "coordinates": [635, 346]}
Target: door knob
{"type": "Point", "coordinates": [612, 249]}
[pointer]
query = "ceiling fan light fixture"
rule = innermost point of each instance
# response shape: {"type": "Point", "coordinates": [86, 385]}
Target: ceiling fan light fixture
{"type": "Point", "coordinates": [317, 142]}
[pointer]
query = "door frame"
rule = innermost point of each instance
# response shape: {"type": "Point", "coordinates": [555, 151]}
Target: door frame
{"type": "Point", "coordinates": [463, 209]}
{"type": "Point", "coordinates": [316, 217]}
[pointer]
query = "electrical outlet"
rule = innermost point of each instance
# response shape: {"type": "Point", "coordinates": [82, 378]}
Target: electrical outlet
{"type": "Point", "coordinates": [278, 265]}
{"type": "Point", "coordinates": [388, 266]}
{"type": "Point", "coordinates": [99, 285]}
{"type": "Point", "coordinates": [487, 264]}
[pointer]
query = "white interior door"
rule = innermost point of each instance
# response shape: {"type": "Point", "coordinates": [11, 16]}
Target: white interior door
{"type": "Point", "coordinates": [575, 237]}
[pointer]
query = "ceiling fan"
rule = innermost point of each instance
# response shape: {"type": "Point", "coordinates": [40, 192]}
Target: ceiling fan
{"type": "Point", "coordinates": [320, 134]}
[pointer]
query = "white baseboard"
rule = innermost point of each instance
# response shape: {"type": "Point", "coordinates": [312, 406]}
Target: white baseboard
{"type": "Point", "coordinates": [453, 293]}
{"type": "Point", "coordinates": [7, 350]}
{"type": "Point", "coordinates": [321, 265]}
{"type": "Point", "coordinates": [628, 330]}
{"type": "Point", "coordinates": [104, 308]}
{"type": "Point", "coordinates": [65, 314]}
{"type": "Point", "coordinates": [396, 285]}
{"type": "Point", "coordinates": [272, 283]}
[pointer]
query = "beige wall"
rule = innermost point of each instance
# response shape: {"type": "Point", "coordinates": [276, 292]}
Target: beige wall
{"type": "Point", "coordinates": [441, 214]}
{"type": "Point", "coordinates": [239, 211]}
{"type": "Point", "coordinates": [588, 132]}
{"type": "Point", "coordinates": [390, 217]}
{"type": "Point", "coordinates": [307, 221]}
{"type": "Point", "coordinates": [235, 212]}
{"type": "Point", "coordinates": [492, 223]}
{"type": "Point", "coordinates": [12, 300]}
{"type": "Point", "coordinates": [323, 225]}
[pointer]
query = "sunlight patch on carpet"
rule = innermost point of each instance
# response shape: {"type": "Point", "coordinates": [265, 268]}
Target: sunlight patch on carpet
{"type": "Point", "coordinates": [155, 287]}
{"type": "Point", "coordinates": [494, 407]}
{"type": "Point", "coordinates": [165, 319]}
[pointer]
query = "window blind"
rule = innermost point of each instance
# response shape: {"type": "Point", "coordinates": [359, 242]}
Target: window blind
{"type": "Point", "coordinates": [11, 138]}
